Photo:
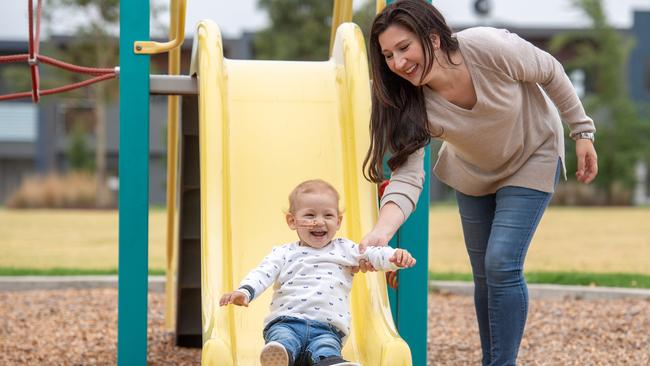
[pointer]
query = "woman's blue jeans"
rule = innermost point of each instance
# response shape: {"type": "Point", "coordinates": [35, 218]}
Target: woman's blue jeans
{"type": "Point", "coordinates": [307, 341]}
{"type": "Point", "coordinates": [498, 229]}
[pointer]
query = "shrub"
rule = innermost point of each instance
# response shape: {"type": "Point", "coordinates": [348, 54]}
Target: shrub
{"type": "Point", "coordinates": [572, 193]}
{"type": "Point", "coordinates": [73, 190]}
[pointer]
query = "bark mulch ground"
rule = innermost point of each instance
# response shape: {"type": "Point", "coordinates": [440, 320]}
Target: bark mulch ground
{"type": "Point", "coordinates": [78, 327]}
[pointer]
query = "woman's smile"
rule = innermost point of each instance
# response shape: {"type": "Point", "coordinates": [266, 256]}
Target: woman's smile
{"type": "Point", "coordinates": [411, 70]}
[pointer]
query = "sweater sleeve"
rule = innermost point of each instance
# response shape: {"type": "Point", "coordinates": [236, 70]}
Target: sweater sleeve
{"type": "Point", "coordinates": [523, 61]}
{"type": "Point", "coordinates": [261, 277]}
{"type": "Point", "coordinates": [379, 258]}
{"type": "Point", "coordinates": [406, 184]}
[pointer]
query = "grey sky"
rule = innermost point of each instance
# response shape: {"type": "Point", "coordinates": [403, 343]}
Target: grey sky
{"type": "Point", "coordinates": [235, 16]}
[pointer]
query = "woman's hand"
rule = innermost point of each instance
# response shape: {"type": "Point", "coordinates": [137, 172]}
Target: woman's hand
{"type": "Point", "coordinates": [390, 219]}
{"type": "Point", "coordinates": [375, 238]}
{"type": "Point", "coordinates": [587, 161]}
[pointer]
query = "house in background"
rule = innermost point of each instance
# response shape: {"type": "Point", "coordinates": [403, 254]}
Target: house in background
{"type": "Point", "coordinates": [18, 132]}
{"type": "Point", "coordinates": [639, 84]}
{"type": "Point", "coordinates": [34, 138]}
{"type": "Point", "coordinates": [638, 78]}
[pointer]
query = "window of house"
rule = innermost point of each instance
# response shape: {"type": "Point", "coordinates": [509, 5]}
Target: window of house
{"type": "Point", "coordinates": [577, 78]}
{"type": "Point", "coordinates": [646, 78]}
{"type": "Point", "coordinates": [18, 122]}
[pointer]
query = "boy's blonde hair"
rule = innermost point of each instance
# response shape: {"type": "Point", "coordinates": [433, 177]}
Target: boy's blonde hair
{"type": "Point", "coordinates": [311, 186]}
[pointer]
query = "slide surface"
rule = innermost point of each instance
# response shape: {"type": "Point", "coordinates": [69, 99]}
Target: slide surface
{"type": "Point", "coordinates": [265, 126]}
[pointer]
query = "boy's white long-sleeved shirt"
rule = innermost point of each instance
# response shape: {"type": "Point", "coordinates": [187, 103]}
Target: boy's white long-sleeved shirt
{"type": "Point", "coordinates": [312, 283]}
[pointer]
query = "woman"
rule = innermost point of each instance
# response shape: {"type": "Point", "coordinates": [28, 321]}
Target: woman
{"type": "Point", "coordinates": [493, 98]}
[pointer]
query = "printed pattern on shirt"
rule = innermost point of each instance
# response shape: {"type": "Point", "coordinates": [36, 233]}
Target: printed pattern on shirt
{"type": "Point", "coordinates": [312, 283]}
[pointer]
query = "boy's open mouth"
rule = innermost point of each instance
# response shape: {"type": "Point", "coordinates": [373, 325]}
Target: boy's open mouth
{"type": "Point", "coordinates": [318, 234]}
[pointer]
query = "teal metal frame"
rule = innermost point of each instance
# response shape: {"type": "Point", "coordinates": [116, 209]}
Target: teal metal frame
{"type": "Point", "coordinates": [134, 186]}
{"type": "Point", "coordinates": [410, 301]}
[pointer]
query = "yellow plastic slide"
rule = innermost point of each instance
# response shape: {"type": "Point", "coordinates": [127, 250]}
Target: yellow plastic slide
{"type": "Point", "coordinates": [265, 126]}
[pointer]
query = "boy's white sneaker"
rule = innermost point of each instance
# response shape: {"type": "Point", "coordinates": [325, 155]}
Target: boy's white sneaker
{"type": "Point", "coordinates": [274, 354]}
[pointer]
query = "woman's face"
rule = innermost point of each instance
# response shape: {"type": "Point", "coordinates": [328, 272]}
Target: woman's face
{"type": "Point", "coordinates": [403, 53]}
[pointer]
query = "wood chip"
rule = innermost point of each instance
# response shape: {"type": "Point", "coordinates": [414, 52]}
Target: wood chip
{"type": "Point", "coordinates": [78, 327]}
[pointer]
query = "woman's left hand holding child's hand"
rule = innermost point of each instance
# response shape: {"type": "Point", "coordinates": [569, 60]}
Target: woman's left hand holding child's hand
{"type": "Point", "coordinates": [402, 259]}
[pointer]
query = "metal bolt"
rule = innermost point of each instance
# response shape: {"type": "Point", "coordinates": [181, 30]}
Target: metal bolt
{"type": "Point", "coordinates": [138, 48]}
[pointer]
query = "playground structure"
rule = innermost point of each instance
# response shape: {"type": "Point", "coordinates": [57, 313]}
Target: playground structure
{"type": "Point", "coordinates": [309, 119]}
{"type": "Point", "coordinates": [249, 132]}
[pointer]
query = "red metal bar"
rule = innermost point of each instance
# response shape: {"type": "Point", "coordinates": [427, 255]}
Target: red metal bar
{"type": "Point", "coordinates": [33, 59]}
{"type": "Point", "coordinates": [14, 58]}
{"type": "Point", "coordinates": [30, 16]}
{"type": "Point", "coordinates": [75, 68]}
{"type": "Point", "coordinates": [57, 63]}
{"type": "Point", "coordinates": [80, 84]}
{"type": "Point", "coordinates": [60, 89]}
{"type": "Point", "coordinates": [16, 96]}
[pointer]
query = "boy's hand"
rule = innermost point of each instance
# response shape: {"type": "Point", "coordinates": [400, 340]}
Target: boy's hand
{"type": "Point", "coordinates": [402, 259]}
{"type": "Point", "coordinates": [236, 297]}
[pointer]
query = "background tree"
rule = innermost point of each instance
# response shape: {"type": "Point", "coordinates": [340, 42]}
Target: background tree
{"type": "Point", "coordinates": [78, 154]}
{"type": "Point", "coordinates": [622, 136]}
{"type": "Point", "coordinates": [95, 43]}
{"type": "Point", "coordinates": [299, 30]}
{"type": "Point", "coordinates": [363, 17]}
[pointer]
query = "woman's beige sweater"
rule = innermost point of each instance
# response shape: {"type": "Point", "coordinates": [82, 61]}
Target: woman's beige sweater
{"type": "Point", "coordinates": [513, 136]}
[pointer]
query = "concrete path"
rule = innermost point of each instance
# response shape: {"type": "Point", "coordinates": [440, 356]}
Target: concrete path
{"type": "Point", "coordinates": [540, 291]}
{"type": "Point", "coordinates": [26, 283]}
{"type": "Point", "coordinates": [157, 284]}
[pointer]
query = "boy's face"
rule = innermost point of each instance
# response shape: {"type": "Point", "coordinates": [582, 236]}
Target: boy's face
{"type": "Point", "coordinates": [315, 218]}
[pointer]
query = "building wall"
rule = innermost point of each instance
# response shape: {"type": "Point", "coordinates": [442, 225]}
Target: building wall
{"type": "Point", "coordinates": [18, 135]}
{"type": "Point", "coordinates": [12, 173]}
{"type": "Point", "coordinates": [34, 140]}
{"type": "Point", "coordinates": [639, 82]}
{"type": "Point", "coordinates": [639, 70]}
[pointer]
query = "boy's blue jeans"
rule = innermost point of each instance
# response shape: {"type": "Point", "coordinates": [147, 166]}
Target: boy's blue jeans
{"type": "Point", "coordinates": [498, 229]}
{"type": "Point", "coordinates": [307, 341]}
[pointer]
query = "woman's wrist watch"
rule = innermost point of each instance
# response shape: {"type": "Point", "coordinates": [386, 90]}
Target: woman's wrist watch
{"type": "Point", "coordinates": [584, 135]}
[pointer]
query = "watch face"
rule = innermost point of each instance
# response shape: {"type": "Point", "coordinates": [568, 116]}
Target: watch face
{"type": "Point", "coordinates": [584, 135]}
{"type": "Point", "coordinates": [587, 135]}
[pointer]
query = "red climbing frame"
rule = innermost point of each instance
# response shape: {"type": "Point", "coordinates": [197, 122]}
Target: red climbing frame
{"type": "Point", "coordinates": [33, 58]}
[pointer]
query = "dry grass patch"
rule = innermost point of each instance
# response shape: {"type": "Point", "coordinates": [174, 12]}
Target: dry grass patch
{"type": "Point", "coordinates": [604, 240]}
{"type": "Point", "coordinates": [82, 239]}
{"type": "Point", "coordinates": [568, 239]}
{"type": "Point", "coordinates": [73, 190]}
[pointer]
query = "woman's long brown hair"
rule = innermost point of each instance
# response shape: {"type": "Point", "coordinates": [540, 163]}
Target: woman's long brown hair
{"type": "Point", "coordinates": [398, 121]}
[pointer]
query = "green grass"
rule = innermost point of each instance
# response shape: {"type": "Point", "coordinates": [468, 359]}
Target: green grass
{"type": "Point", "coordinates": [575, 246]}
{"type": "Point", "coordinates": [629, 280]}
{"type": "Point", "coordinates": [10, 271]}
